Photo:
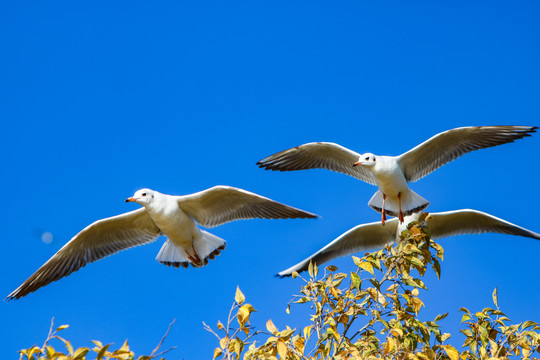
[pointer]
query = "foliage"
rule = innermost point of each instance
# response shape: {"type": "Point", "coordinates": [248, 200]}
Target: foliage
{"type": "Point", "coordinates": [372, 313]}
{"type": "Point", "coordinates": [103, 352]}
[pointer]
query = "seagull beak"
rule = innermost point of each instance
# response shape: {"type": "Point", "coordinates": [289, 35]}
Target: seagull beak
{"type": "Point", "coordinates": [357, 163]}
{"type": "Point", "coordinates": [130, 199]}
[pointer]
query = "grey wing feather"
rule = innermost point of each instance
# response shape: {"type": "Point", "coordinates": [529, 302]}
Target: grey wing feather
{"type": "Point", "coordinates": [100, 239]}
{"type": "Point", "coordinates": [221, 204]}
{"type": "Point", "coordinates": [449, 145]}
{"type": "Point", "coordinates": [360, 238]}
{"type": "Point", "coordinates": [468, 221]}
{"type": "Point", "coordinates": [321, 155]}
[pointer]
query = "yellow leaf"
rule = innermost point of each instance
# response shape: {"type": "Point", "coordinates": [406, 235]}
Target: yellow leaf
{"type": "Point", "coordinates": [80, 353]}
{"type": "Point", "coordinates": [220, 325]}
{"type": "Point", "coordinates": [307, 331]}
{"type": "Point", "coordinates": [223, 342]}
{"type": "Point", "coordinates": [367, 266]}
{"type": "Point", "coordinates": [271, 327]}
{"type": "Point", "coordinates": [313, 270]}
{"type": "Point", "coordinates": [452, 353]}
{"type": "Point", "coordinates": [494, 346]}
{"type": "Point", "coordinates": [282, 349]}
{"type": "Point", "coordinates": [388, 347]}
{"type": "Point", "coordinates": [495, 297]}
{"type": "Point", "coordinates": [239, 296]}
{"type": "Point", "coordinates": [62, 327]}
{"type": "Point", "coordinates": [217, 352]}
{"type": "Point", "coordinates": [125, 346]}
{"type": "Point", "coordinates": [417, 304]}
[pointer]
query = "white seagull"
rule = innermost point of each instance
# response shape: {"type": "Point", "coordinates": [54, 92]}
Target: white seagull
{"type": "Point", "coordinates": [444, 224]}
{"type": "Point", "coordinates": [392, 173]}
{"type": "Point", "coordinates": [171, 216]}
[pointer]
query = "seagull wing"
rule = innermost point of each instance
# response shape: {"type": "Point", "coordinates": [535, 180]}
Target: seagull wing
{"type": "Point", "coordinates": [468, 221]}
{"type": "Point", "coordinates": [318, 155]}
{"type": "Point", "coordinates": [100, 239]}
{"type": "Point", "coordinates": [449, 145]}
{"type": "Point", "coordinates": [221, 204]}
{"type": "Point", "coordinates": [360, 238]}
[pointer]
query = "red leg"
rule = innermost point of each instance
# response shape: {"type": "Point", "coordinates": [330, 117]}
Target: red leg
{"type": "Point", "coordinates": [383, 212]}
{"type": "Point", "coordinates": [195, 259]}
{"type": "Point", "coordinates": [401, 218]}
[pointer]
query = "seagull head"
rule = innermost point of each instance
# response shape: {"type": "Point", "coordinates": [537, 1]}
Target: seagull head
{"type": "Point", "coordinates": [366, 159]}
{"type": "Point", "coordinates": [142, 197]}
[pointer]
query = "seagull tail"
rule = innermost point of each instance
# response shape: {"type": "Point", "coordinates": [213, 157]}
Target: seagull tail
{"type": "Point", "coordinates": [411, 203]}
{"type": "Point", "coordinates": [207, 247]}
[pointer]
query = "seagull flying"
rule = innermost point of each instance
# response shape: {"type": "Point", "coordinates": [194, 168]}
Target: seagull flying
{"type": "Point", "coordinates": [444, 224]}
{"type": "Point", "coordinates": [171, 216]}
{"type": "Point", "coordinates": [392, 173]}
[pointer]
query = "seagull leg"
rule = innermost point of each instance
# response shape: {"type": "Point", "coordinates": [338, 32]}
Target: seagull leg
{"type": "Point", "coordinates": [401, 218]}
{"type": "Point", "coordinates": [383, 213]}
{"type": "Point", "coordinates": [195, 259]}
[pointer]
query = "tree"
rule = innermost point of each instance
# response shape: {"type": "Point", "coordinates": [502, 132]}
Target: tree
{"type": "Point", "coordinates": [372, 313]}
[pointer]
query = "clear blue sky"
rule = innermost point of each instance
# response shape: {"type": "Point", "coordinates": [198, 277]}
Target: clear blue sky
{"type": "Point", "coordinates": [98, 100]}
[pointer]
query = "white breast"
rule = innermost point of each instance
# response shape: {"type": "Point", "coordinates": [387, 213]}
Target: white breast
{"type": "Point", "coordinates": [173, 222]}
{"type": "Point", "coordinates": [389, 176]}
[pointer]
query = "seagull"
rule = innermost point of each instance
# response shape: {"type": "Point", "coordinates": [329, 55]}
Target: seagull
{"type": "Point", "coordinates": [444, 224]}
{"type": "Point", "coordinates": [391, 174]}
{"type": "Point", "coordinates": [161, 214]}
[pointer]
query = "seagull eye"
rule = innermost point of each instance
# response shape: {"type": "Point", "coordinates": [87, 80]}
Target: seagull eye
{"type": "Point", "coordinates": [367, 157]}
{"type": "Point", "coordinates": [143, 194]}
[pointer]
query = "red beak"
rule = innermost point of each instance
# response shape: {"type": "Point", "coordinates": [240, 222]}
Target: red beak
{"type": "Point", "coordinates": [357, 163]}
{"type": "Point", "coordinates": [130, 199]}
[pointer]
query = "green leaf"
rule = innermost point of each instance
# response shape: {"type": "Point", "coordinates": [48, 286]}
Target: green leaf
{"type": "Point", "coordinates": [355, 279]}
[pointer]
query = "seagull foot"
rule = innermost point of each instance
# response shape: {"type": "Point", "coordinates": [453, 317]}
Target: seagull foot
{"type": "Point", "coordinates": [401, 218]}
{"type": "Point", "coordinates": [195, 259]}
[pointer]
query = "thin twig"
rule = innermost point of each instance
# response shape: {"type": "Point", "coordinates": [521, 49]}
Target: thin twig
{"type": "Point", "coordinates": [209, 329]}
{"type": "Point", "coordinates": [49, 337]}
{"type": "Point", "coordinates": [153, 354]}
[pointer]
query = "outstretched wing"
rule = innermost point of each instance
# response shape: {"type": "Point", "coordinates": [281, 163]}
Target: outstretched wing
{"type": "Point", "coordinates": [98, 240]}
{"type": "Point", "coordinates": [360, 238]}
{"type": "Point", "coordinates": [221, 204]}
{"type": "Point", "coordinates": [449, 145]}
{"type": "Point", "coordinates": [468, 221]}
{"type": "Point", "coordinates": [322, 155]}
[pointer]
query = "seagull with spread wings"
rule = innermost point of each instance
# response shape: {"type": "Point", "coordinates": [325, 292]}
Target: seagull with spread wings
{"type": "Point", "coordinates": [444, 224]}
{"type": "Point", "coordinates": [167, 215]}
{"type": "Point", "coordinates": [391, 174]}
